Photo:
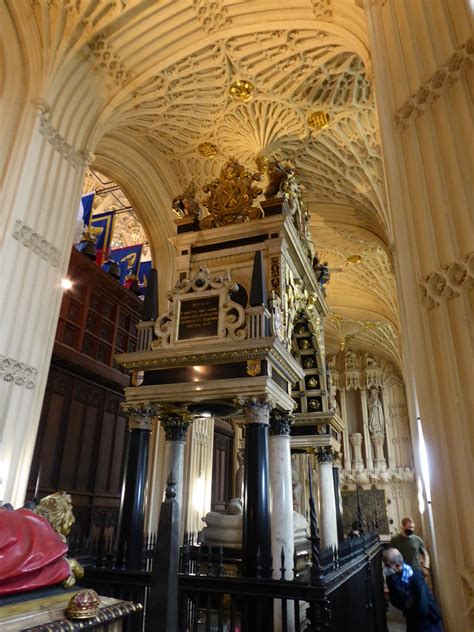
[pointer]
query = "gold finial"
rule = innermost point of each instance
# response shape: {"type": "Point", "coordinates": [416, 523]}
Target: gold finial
{"type": "Point", "coordinates": [241, 90]}
{"type": "Point", "coordinates": [318, 120]}
{"type": "Point", "coordinates": [354, 259]}
{"type": "Point", "coordinates": [208, 150]}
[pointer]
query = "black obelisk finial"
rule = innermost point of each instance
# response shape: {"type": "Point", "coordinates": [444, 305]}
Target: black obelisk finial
{"type": "Point", "coordinates": [150, 306]}
{"type": "Point", "coordinates": [258, 289]}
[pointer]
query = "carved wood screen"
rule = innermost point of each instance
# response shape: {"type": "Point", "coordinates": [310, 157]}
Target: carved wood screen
{"type": "Point", "coordinates": [80, 449]}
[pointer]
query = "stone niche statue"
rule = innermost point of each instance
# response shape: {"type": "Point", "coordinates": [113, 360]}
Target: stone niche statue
{"type": "Point", "coordinates": [33, 546]}
{"type": "Point", "coordinates": [376, 416]}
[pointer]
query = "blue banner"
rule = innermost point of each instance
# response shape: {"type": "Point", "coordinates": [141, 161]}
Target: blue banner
{"type": "Point", "coordinates": [128, 259]}
{"type": "Point", "coordinates": [102, 227]}
{"type": "Point", "coordinates": [86, 205]}
{"type": "Point", "coordinates": [143, 270]}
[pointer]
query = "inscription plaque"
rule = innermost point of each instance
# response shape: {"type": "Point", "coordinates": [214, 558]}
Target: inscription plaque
{"type": "Point", "coordinates": [198, 318]}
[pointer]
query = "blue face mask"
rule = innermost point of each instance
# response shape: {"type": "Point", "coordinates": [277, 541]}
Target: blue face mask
{"type": "Point", "coordinates": [388, 572]}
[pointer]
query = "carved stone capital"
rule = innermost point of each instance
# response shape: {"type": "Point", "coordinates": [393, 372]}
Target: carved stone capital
{"type": "Point", "coordinates": [256, 409]}
{"type": "Point", "coordinates": [325, 454]}
{"type": "Point", "coordinates": [175, 427]}
{"type": "Point", "coordinates": [280, 423]}
{"type": "Point", "coordinates": [140, 416]}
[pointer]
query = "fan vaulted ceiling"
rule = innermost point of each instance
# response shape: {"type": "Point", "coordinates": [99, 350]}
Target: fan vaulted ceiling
{"type": "Point", "coordinates": [168, 67]}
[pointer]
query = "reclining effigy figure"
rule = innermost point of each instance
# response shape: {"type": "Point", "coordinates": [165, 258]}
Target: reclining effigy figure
{"type": "Point", "coordinates": [33, 546]}
{"type": "Point", "coordinates": [226, 529]}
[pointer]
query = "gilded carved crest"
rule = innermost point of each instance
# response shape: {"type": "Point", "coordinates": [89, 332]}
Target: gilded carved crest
{"type": "Point", "coordinates": [231, 197]}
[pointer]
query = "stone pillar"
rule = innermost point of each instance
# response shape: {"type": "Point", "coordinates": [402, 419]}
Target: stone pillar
{"type": "Point", "coordinates": [256, 531]}
{"type": "Point", "coordinates": [327, 500]}
{"type": "Point", "coordinates": [40, 199]}
{"type": "Point", "coordinates": [345, 434]}
{"type": "Point", "coordinates": [356, 440]}
{"type": "Point", "coordinates": [281, 493]}
{"type": "Point", "coordinates": [378, 439]}
{"type": "Point", "coordinates": [175, 422]}
{"type": "Point", "coordinates": [337, 496]}
{"type": "Point", "coordinates": [365, 416]}
{"type": "Point", "coordinates": [132, 511]}
{"type": "Point", "coordinates": [421, 56]}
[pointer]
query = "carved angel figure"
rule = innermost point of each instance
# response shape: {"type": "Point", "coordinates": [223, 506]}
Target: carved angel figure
{"type": "Point", "coordinates": [186, 205]}
{"type": "Point", "coordinates": [376, 416]}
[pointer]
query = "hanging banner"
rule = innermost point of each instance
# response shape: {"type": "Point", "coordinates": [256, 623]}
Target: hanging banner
{"type": "Point", "coordinates": [128, 259]}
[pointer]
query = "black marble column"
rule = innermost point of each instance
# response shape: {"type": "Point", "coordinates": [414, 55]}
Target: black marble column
{"type": "Point", "coordinates": [132, 516]}
{"type": "Point", "coordinates": [257, 556]}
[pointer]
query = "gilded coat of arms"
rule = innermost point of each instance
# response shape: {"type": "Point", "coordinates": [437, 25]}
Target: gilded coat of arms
{"type": "Point", "coordinates": [231, 197]}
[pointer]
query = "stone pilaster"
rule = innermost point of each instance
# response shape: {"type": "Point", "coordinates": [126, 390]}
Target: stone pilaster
{"type": "Point", "coordinates": [327, 500]}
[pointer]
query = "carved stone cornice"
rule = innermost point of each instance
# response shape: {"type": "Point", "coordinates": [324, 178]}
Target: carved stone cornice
{"type": "Point", "coordinates": [256, 409]}
{"type": "Point", "coordinates": [77, 158]}
{"type": "Point", "coordinates": [325, 454]}
{"type": "Point", "coordinates": [140, 416]}
{"type": "Point", "coordinates": [280, 423]}
{"type": "Point", "coordinates": [434, 87]}
{"type": "Point", "coordinates": [38, 244]}
{"type": "Point", "coordinates": [19, 373]}
{"type": "Point", "coordinates": [448, 282]}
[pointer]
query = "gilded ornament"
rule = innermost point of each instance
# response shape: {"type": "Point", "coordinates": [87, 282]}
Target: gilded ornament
{"type": "Point", "coordinates": [304, 343]}
{"type": "Point", "coordinates": [231, 197]}
{"type": "Point", "coordinates": [83, 605]}
{"type": "Point", "coordinates": [313, 382]}
{"type": "Point", "coordinates": [241, 90]}
{"type": "Point", "coordinates": [254, 367]}
{"type": "Point", "coordinates": [314, 404]}
{"type": "Point", "coordinates": [318, 120]}
{"type": "Point", "coordinates": [354, 259]}
{"type": "Point", "coordinates": [308, 363]}
{"type": "Point", "coordinates": [208, 150]}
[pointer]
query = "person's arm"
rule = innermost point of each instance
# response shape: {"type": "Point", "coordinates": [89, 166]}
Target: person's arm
{"type": "Point", "coordinates": [396, 597]}
{"type": "Point", "coordinates": [424, 557]}
{"type": "Point", "coordinates": [419, 591]}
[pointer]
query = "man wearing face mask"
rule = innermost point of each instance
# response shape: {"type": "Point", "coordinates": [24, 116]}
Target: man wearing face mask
{"type": "Point", "coordinates": [411, 547]}
{"type": "Point", "coordinates": [410, 593]}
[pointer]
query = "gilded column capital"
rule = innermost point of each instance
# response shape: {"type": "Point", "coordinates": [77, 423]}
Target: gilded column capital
{"type": "Point", "coordinates": [325, 454]}
{"type": "Point", "coordinates": [140, 416]}
{"type": "Point", "coordinates": [256, 409]}
{"type": "Point", "coordinates": [280, 422]}
{"type": "Point", "coordinates": [175, 422]}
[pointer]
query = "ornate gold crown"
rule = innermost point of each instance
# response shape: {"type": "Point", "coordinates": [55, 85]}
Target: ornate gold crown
{"type": "Point", "coordinates": [83, 605]}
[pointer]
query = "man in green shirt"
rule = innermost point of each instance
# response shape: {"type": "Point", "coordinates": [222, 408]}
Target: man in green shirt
{"type": "Point", "coordinates": [411, 546]}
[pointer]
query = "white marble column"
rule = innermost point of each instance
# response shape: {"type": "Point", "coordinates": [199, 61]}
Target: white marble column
{"type": "Point", "coordinates": [356, 440]}
{"type": "Point", "coordinates": [281, 493]}
{"type": "Point", "coordinates": [175, 425]}
{"type": "Point", "coordinates": [365, 417]}
{"type": "Point", "coordinates": [378, 439]}
{"type": "Point", "coordinates": [281, 506]}
{"type": "Point", "coordinates": [327, 499]}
